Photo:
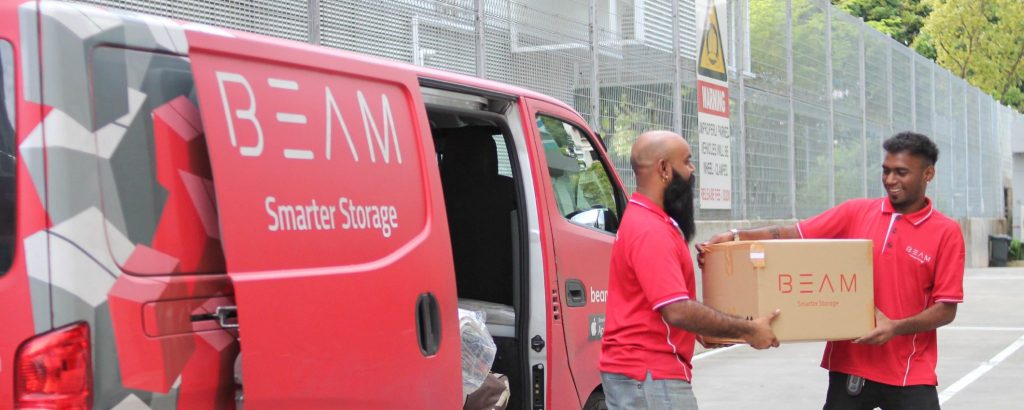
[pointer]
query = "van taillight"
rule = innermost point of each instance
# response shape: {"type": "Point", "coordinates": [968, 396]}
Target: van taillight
{"type": "Point", "coordinates": [54, 370]}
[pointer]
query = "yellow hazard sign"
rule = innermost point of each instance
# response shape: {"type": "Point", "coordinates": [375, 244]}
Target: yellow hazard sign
{"type": "Point", "coordinates": [711, 62]}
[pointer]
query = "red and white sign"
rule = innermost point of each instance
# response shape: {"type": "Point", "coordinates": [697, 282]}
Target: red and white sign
{"type": "Point", "coordinates": [715, 144]}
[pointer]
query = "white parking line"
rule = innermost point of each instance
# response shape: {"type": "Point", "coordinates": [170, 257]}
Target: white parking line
{"type": "Point", "coordinates": [984, 328]}
{"type": "Point", "coordinates": [1014, 277]}
{"type": "Point", "coordinates": [709, 353]}
{"type": "Point", "coordinates": [965, 381]}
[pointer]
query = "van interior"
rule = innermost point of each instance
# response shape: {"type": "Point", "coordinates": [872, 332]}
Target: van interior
{"type": "Point", "coordinates": [483, 198]}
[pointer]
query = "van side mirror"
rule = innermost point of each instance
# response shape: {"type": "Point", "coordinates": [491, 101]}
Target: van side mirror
{"type": "Point", "coordinates": [597, 217]}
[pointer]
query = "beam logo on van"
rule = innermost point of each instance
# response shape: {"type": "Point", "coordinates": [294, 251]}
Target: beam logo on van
{"type": "Point", "coordinates": [379, 136]}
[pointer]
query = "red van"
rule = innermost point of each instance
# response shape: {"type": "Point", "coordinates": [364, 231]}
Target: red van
{"type": "Point", "coordinates": [197, 218]}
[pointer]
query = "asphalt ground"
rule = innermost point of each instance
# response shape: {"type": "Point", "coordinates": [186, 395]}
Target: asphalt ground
{"type": "Point", "coordinates": [981, 358]}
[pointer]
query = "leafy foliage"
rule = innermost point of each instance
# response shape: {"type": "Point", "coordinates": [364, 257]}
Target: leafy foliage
{"type": "Point", "coordinates": [981, 41]}
{"type": "Point", "coordinates": [900, 19]}
{"type": "Point", "coordinates": [1015, 250]}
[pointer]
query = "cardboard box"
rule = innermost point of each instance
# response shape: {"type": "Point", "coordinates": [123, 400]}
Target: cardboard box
{"type": "Point", "coordinates": [825, 288]}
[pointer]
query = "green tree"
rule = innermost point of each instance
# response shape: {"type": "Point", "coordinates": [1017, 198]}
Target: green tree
{"type": "Point", "coordinates": [900, 19]}
{"type": "Point", "coordinates": [981, 41]}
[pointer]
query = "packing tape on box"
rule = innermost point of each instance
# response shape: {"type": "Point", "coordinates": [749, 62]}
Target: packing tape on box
{"type": "Point", "coordinates": [757, 255]}
{"type": "Point", "coordinates": [728, 262]}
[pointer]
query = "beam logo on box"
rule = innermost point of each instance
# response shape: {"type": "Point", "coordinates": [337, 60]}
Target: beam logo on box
{"type": "Point", "coordinates": [817, 283]}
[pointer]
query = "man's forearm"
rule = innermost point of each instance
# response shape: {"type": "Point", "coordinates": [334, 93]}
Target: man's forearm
{"type": "Point", "coordinates": [934, 317]}
{"type": "Point", "coordinates": [769, 232]}
{"type": "Point", "coordinates": [695, 317]}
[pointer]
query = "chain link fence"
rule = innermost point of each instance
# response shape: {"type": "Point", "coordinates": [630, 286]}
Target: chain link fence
{"type": "Point", "coordinates": [814, 91]}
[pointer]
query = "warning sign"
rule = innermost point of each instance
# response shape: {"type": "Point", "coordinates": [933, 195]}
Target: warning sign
{"type": "Point", "coordinates": [711, 62]}
{"type": "Point", "coordinates": [715, 147]}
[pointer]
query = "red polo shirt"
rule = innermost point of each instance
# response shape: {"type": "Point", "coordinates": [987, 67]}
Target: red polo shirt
{"type": "Point", "coordinates": [650, 268]}
{"type": "Point", "coordinates": [918, 261]}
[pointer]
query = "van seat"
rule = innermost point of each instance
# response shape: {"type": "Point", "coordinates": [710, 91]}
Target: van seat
{"type": "Point", "coordinates": [500, 319]}
{"type": "Point", "coordinates": [479, 204]}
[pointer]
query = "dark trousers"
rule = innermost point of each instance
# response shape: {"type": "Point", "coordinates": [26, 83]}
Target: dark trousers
{"type": "Point", "coordinates": [884, 396]}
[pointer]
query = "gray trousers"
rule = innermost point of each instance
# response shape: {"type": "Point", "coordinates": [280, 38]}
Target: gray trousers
{"type": "Point", "coordinates": [623, 392]}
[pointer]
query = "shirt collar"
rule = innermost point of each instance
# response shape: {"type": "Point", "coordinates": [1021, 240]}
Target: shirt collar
{"type": "Point", "coordinates": [642, 201]}
{"type": "Point", "coordinates": [915, 218]}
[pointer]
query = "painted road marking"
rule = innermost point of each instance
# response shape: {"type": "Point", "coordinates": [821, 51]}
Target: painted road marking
{"type": "Point", "coordinates": [984, 328]}
{"type": "Point", "coordinates": [713, 352]}
{"type": "Point", "coordinates": [965, 381]}
{"type": "Point", "coordinates": [1014, 277]}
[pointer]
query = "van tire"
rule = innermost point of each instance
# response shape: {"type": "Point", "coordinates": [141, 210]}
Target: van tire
{"type": "Point", "coordinates": [596, 401]}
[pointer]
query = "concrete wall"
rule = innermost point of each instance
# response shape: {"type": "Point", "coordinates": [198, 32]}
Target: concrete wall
{"type": "Point", "coordinates": [1017, 206]}
{"type": "Point", "coordinates": [976, 232]}
{"type": "Point", "coordinates": [1017, 146]}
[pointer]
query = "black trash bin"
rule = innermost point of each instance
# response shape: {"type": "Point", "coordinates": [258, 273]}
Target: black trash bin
{"type": "Point", "coordinates": [998, 250]}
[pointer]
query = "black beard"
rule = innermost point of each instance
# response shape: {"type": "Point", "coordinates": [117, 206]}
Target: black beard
{"type": "Point", "coordinates": [679, 204]}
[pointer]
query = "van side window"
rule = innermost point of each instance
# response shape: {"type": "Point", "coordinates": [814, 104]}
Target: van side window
{"type": "Point", "coordinates": [504, 162]}
{"type": "Point", "coordinates": [583, 189]}
{"type": "Point", "coordinates": [8, 155]}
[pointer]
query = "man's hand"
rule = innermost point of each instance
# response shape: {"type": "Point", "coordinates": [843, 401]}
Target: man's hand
{"type": "Point", "coordinates": [702, 247]}
{"type": "Point", "coordinates": [761, 335]}
{"type": "Point", "coordinates": [884, 330]}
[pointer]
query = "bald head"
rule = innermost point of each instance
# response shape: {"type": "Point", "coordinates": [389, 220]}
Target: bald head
{"type": "Point", "coordinates": [652, 146]}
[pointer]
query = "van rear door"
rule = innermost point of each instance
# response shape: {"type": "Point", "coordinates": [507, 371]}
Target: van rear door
{"type": "Point", "coordinates": [333, 225]}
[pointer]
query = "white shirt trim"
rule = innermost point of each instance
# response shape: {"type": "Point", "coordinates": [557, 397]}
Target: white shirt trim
{"type": "Point", "coordinates": [642, 205]}
{"type": "Point", "coordinates": [892, 220]}
{"type": "Point", "coordinates": [675, 299]}
{"type": "Point", "coordinates": [913, 343]}
{"type": "Point", "coordinates": [929, 215]}
{"type": "Point", "coordinates": [668, 339]}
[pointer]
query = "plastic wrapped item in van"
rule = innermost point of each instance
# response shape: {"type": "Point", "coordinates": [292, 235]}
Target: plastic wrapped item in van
{"type": "Point", "coordinates": [500, 319]}
{"type": "Point", "coordinates": [478, 350]}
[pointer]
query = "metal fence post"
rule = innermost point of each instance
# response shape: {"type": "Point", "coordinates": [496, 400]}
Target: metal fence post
{"type": "Point", "coordinates": [740, 69]}
{"type": "Point", "coordinates": [595, 88]}
{"type": "Point", "coordinates": [481, 45]}
{"type": "Point", "coordinates": [913, 93]}
{"type": "Point", "coordinates": [888, 86]}
{"type": "Point", "coordinates": [934, 129]}
{"type": "Point", "coordinates": [677, 80]}
{"type": "Point", "coordinates": [967, 157]}
{"type": "Point", "coordinates": [863, 108]}
{"type": "Point", "coordinates": [792, 115]}
{"type": "Point", "coordinates": [314, 22]}
{"type": "Point", "coordinates": [952, 146]}
{"type": "Point", "coordinates": [981, 160]}
{"type": "Point", "coordinates": [831, 107]}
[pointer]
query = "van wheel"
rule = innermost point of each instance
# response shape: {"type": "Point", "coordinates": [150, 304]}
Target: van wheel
{"type": "Point", "coordinates": [596, 402]}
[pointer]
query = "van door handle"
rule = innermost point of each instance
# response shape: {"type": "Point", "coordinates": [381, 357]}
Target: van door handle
{"type": "Point", "coordinates": [428, 324]}
{"type": "Point", "coordinates": [575, 293]}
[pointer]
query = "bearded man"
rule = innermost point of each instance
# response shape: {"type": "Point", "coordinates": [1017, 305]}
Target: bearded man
{"type": "Point", "coordinates": [652, 316]}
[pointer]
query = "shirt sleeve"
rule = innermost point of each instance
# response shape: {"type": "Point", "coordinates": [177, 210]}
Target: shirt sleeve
{"type": "Point", "coordinates": [949, 268]}
{"type": "Point", "coordinates": [830, 224]}
{"type": "Point", "coordinates": [656, 261]}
